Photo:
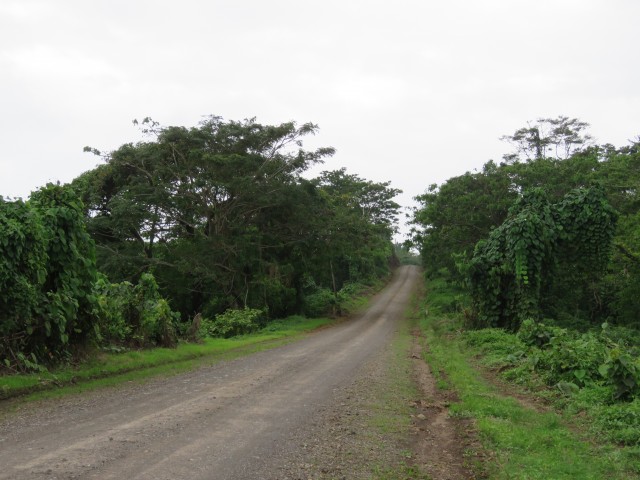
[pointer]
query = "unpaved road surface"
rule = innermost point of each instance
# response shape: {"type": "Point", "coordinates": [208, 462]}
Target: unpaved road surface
{"type": "Point", "coordinates": [242, 419]}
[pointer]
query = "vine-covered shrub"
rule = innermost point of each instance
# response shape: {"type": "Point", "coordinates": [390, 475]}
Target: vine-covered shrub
{"type": "Point", "coordinates": [71, 265]}
{"type": "Point", "coordinates": [506, 270]}
{"type": "Point", "coordinates": [135, 315]}
{"type": "Point", "coordinates": [47, 270]}
{"type": "Point", "coordinates": [586, 224]}
{"type": "Point", "coordinates": [23, 269]}
{"type": "Point", "coordinates": [538, 245]}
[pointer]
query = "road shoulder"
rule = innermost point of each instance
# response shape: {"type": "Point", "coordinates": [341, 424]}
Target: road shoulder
{"type": "Point", "coordinates": [390, 423]}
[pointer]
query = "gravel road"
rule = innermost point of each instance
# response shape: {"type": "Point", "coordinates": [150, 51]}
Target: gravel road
{"type": "Point", "coordinates": [241, 419]}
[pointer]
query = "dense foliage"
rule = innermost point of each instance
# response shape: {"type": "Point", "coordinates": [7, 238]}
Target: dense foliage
{"type": "Point", "coordinates": [515, 274]}
{"type": "Point", "coordinates": [540, 255]}
{"type": "Point", "coordinates": [47, 271]}
{"type": "Point", "coordinates": [552, 231]}
{"type": "Point", "coordinates": [213, 222]}
{"type": "Point", "coordinates": [223, 218]}
{"type": "Point", "coordinates": [593, 375]}
{"type": "Point", "coordinates": [234, 322]}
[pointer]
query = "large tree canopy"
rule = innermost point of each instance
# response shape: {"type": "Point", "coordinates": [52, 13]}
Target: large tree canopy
{"type": "Point", "coordinates": [221, 215]}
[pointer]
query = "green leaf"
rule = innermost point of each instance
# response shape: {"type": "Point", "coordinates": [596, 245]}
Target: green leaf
{"type": "Point", "coordinates": [604, 369]}
{"type": "Point", "coordinates": [567, 388]}
{"type": "Point", "coordinates": [580, 374]}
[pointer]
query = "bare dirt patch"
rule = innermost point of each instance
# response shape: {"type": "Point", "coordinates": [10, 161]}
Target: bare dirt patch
{"type": "Point", "coordinates": [445, 447]}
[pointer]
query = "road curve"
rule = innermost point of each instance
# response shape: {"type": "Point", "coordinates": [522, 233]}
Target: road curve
{"type": "Point", "coordinates": [233, 420]}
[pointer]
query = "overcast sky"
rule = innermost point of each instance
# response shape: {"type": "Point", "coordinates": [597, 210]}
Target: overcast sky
{"type": "Point", "coordinates": [411, 91]}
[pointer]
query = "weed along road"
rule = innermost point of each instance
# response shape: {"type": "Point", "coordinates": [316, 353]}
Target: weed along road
{"type": "Point", "coordinates": [240, 419]}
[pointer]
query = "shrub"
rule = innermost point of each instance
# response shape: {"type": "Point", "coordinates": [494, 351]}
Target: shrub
{"type": "Point", "coordinates": [538, 334]}
{"type": "Point", "coordinates": [574, 360]}
{"type": "Point", "coordinates": [319, 303]}
{"type": "Point", "coordinates": [156, 320]}
{"type": "Point", "coordinates": [234, 322]}
{"type": "Point", "coordinates": [622, 371]}
{"type": "Point", "coordinates": [136, 315]}
{"type": "Point", "coordinates": [114, 302]}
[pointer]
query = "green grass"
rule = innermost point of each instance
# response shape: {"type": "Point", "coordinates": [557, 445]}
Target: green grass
{"type": "Point", "coordinates": [391, 410]}
{"type": "Point", "coordinates": [525, 444]}
{"type": "Point", "coordinates": [112, 368]}
{"type": "Point", "coordinates": [105, 369]}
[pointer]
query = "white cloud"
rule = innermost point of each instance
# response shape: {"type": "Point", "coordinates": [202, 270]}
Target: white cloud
{"type": "Point", "coordinates": [409, 91]}
{"type": "Point", "coordinates": [24, 10]}
{"type": "Point", "coordinates": [45, 63]}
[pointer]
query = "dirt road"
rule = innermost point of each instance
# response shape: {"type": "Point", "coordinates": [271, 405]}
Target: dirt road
{"type": "Point", "coordinates": [242, 419]}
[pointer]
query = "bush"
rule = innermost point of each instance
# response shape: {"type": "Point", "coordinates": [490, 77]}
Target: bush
{"type": "Point", "coordinates": [574, 360]}
{"type": "Point", "coordinates": [156, 320]}
{"type": "Point", "coordinates": [135, 315]}
{"type": "Point", "coordinates": [234, 322]}
{"type": "Point", "coordinates": [562, 357]}
{"type": "Point", "coordinates": [538, 334]}
{"type": "Point", "coordinates": [319, 303]}
{"type": "Point", "coordinates": [622, 371]}
{"type": "Point", "coordinates": [114, 305]}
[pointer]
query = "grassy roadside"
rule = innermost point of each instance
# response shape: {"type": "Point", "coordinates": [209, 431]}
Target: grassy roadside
{"type": "Point", "coordinates": [391, 409]}
{"type": "Point", "coordinates": [113, 368]}
{"type": "Point", "coordinates": [523, 443]}
{"type": "Point", "coordinates": [108, 369]}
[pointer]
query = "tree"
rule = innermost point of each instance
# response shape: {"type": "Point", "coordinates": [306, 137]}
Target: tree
{"type": "Point", "coordinates": [544, 259]}
{"type": "Point", "coordinates": [561, 137]}
{"type": "Point", "coordinates": [354, 239]}
{"type": "Point", "coordinates": [223, 218]}
{"type": "Point", "coordinates": [454, 216]}
{"type": "Point", "coordinates": [373, 201]}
